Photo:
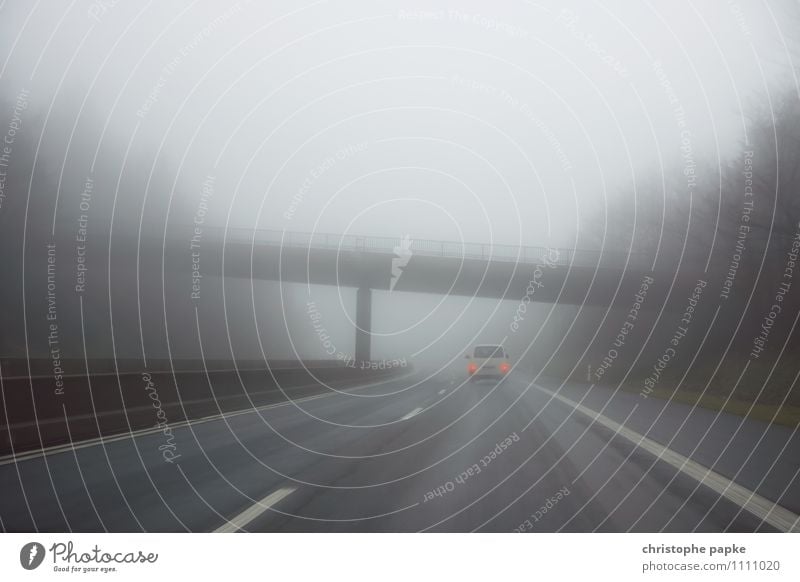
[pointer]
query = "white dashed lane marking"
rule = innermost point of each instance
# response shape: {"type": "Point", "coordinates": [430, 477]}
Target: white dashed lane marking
{"type": "Point", "coordinates": [412, 414]}
{"type": "Point", "coordinates": [249, 514]}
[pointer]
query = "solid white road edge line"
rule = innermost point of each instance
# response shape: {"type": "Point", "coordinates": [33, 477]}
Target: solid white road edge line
{"type": "Point", "coordinates": [68, 447]}
{"type": "Point", "coordinates": [249, 514]}
{"type": "Point", "coordinates": [777, 516]}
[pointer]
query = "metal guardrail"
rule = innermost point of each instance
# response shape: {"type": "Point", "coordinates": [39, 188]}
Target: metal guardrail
{"type": "Point", "coordinates": [431, 248]}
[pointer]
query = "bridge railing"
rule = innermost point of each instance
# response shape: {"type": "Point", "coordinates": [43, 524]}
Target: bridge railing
{"type": "Point", "coordinates": [433, 248]}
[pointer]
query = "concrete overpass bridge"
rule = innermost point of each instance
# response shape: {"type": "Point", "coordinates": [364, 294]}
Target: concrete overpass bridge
{"type": "Point", "coordinates": [366, 263]}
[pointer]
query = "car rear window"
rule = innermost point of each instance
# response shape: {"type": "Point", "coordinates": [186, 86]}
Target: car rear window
{"type": "Point", "coordinates": [489, 352]}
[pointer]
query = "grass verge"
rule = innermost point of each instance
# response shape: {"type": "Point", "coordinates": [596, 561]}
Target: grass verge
{"type": "Point", "coordinates": [785, 415]}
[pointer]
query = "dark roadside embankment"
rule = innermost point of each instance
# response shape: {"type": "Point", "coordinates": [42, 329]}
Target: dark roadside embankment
{"type": "Point", "coordinates": [42, 410]}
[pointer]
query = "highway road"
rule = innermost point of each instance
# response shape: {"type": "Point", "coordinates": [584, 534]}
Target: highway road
{"type": "Point", "coordinates": [424, 453]}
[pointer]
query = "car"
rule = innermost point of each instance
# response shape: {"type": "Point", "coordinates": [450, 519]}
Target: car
{"type": "Point", "coordinates": [488, 361]}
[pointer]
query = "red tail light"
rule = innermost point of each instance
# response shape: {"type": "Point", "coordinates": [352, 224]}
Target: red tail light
{"type": "Point", "coordinates": [472, 367]}
{"type": "Point", "coordinates": [505, 367]}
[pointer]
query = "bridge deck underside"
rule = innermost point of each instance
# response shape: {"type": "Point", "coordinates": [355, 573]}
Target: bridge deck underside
{"type": "Point", "coordinates": [437, 275]}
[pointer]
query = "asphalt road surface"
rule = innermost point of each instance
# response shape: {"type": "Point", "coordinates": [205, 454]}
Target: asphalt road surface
{"type": "Point", "coordinates": [424, 453]}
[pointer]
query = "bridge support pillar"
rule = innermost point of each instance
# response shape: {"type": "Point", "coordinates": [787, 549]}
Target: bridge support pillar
{"type": "Point", "coordinates": [363, 323]}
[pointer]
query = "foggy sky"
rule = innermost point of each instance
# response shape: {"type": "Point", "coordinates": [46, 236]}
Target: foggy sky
{"type": "Point", "coordinates": [448, 116]}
